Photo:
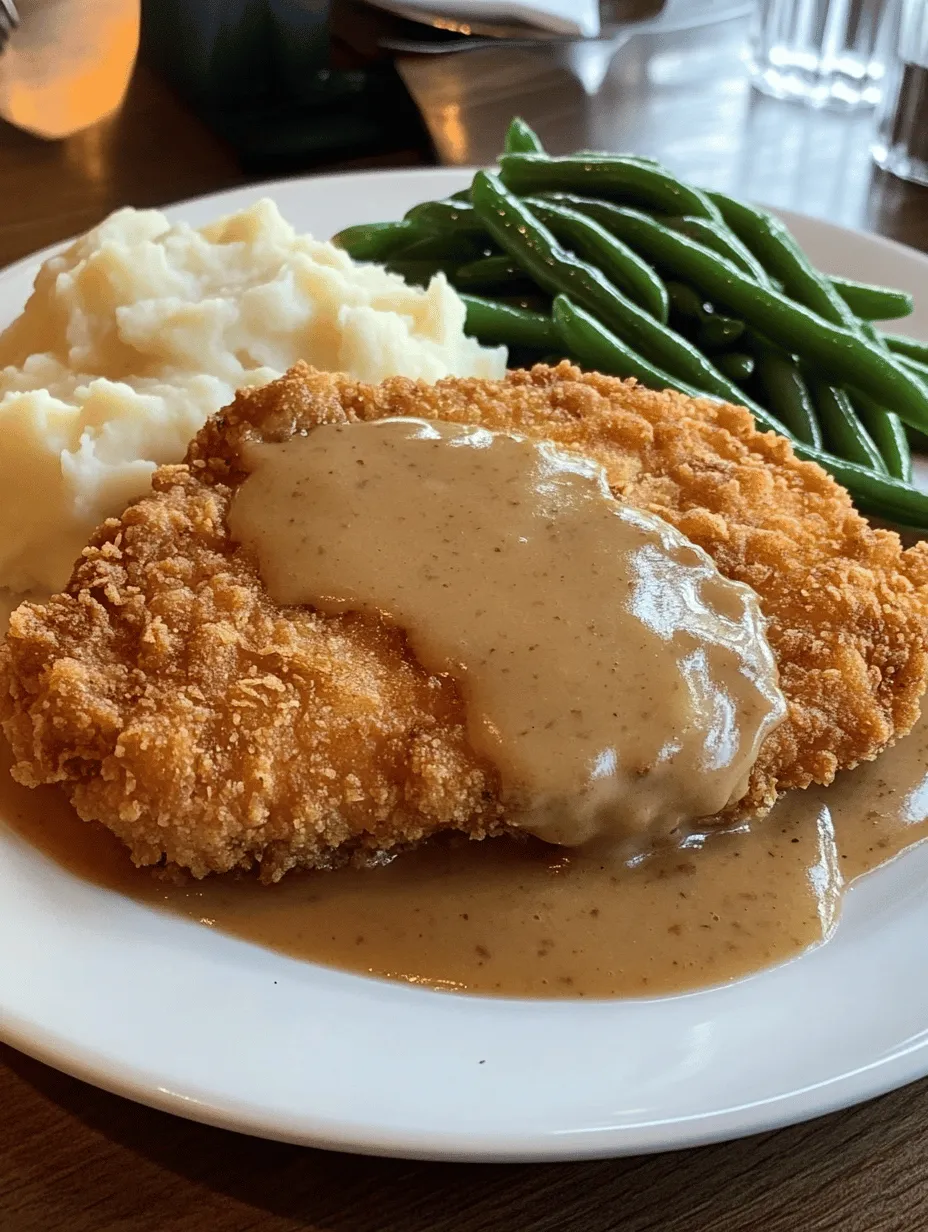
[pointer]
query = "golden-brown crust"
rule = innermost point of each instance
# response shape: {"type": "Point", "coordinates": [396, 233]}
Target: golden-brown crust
{"type": "Point", "coordinates": [205, 725]}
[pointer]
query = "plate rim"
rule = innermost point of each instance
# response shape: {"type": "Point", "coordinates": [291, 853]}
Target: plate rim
{"type": "Point", "coordinates": [353, 1138]}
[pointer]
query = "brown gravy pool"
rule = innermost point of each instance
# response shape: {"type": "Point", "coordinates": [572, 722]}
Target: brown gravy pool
{"type": "Point", "coordinates": [527, 920]}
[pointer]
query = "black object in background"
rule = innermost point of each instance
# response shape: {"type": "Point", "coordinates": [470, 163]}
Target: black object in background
{"type": "Point", "coordinates": [264, 75]}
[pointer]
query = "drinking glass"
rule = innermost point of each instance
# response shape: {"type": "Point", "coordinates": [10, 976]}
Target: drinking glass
{"type": "Point", "coordinates": [901, 145]}
{"type": "Point", "coordinates": [67, 64]}
{"type": "Point", "coordinates": [827, 53]}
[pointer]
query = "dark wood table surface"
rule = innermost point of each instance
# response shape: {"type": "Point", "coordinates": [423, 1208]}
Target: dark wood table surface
{"type": "Point", "coordinates": [77, 1159]}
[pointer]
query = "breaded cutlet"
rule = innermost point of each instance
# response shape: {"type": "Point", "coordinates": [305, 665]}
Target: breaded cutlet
{"type": "Point", "coordinates": [212, 730]}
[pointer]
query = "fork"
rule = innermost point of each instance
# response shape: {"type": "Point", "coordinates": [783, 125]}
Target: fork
{"type": "Point", "coordinates": [9, 20]}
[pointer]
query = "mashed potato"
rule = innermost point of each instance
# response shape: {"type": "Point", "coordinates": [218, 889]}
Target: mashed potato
{"type": "Point", "coordinates": [140, 331]}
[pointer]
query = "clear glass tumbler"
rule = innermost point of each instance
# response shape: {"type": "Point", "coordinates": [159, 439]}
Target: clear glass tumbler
{"type": "Point", "coordinates": [827, 53]}
{"type": "Point", "coordinates": [901, 145]}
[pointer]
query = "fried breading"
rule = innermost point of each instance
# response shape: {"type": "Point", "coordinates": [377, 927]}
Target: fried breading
{"type": "Point", "coordinates": [211, 729]}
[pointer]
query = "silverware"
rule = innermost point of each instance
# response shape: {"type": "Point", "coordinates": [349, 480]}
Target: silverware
{"type": "Point", "coordinates": [613, 13]}
{"type": "Point", "coordinates": [9, 20]}
{"type": "Point", "coordinates": [476, 29]}
{"type": "Point", "coordinates": [437, 33]}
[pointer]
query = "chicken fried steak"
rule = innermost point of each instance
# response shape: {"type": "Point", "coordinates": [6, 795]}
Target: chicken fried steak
{"type": "Point", "coordinates": [212, 729]}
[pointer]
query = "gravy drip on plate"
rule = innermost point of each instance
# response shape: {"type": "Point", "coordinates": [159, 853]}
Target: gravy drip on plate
{"type": "Point", "coordinates": [618, 682]}
{"type": "Point", "coordinates": [522, 919]}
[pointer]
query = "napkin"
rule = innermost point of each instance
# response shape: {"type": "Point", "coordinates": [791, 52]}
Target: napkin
{"type": "Point", "coordinates": [580, 17]}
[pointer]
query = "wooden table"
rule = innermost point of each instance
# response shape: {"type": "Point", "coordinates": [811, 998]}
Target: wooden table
{"type": "Point", "coordinates": [79, 1160]}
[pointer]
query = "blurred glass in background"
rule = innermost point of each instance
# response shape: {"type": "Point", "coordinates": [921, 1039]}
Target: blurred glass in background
{"type": "Point", "coordinates": [901, 145]}
{"type": "Point", "coordinates": [67, 64]}
{"type": "Point", "coordinates": [827, 53]}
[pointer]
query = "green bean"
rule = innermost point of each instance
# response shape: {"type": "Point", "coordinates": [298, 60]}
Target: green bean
{"type": "Point", "coordinates": [498, 323]}
{"type": "Point", "coordinates": [915, 366]}
{"type": "Point", "coordinates": [888, 434]}
{"type": "Point", "coordinates": [885, 427]}
{"type": "Point", "coordinates": [443, 215]}
{"type": "Point", "coordinates": [891, 433]}
{"type": "Point", "coordinates": [374, 241]}
{"type": "Point", "coordinates": [912, 349]}
{"type": "Point", "coordinates": [618, 262]}
{"type": "Point", "coordinates": [787, 394]}
{"type": "Point", "coordinates": [736, 365]}
{"type": "Point", "coordinates": [497, 271]}
{"type": "Point", "coordinates": [722, 241]}
{"type": "Point", "coordinates": [441, 246]}
{"type": "Point", "coordinates": [717, 332]}
{"type": "Point", "coordinates": [872, 492]}
{"type": "Point", "coordinates": [686, 303]}
{"type": "Point", "coordinates": [605, 175]}
{"type": "Point", "coordinates": [773, 244]}
{"type": "Point", "coordinates": [632, 158]}
{"type": "Point", "coordinates": [834, 300]}
{"type": "Point", "coordinates": [709, 233]}
{"type": "Point", "coordinates": [598, 349]}
{"type": "Point", "coordinates": [520, 139]}
{"type": "Point", "coordinates": [873, 303]}
{"type": "Point", "coordinates": [844, 432]}
{"type": "Point", "coordinates": [514, 227]}
{"type": "Point", "coordinates": [845, 357]}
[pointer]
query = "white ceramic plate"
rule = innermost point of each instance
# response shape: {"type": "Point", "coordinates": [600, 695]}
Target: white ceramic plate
{"type": "Point", "coordinates": [166, 1012]}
